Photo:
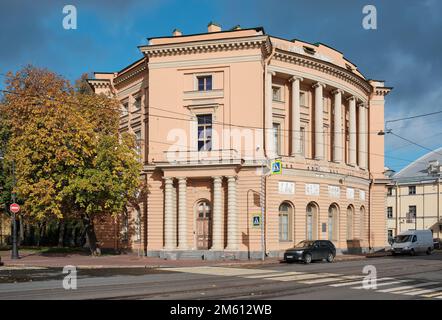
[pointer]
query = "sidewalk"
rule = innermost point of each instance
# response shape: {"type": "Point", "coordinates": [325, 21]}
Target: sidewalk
{"type": "Point", "coordinates": [32, 259]}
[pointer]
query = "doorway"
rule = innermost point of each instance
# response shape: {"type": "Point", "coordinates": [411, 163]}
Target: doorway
{"type": "Point", "coordinates": [203, 225]}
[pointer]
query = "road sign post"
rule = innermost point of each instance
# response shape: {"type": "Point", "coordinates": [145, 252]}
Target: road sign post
{"type": "Point", "coordinates": [14, 208]}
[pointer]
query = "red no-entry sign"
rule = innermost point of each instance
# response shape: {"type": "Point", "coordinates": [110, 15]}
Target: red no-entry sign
{"type": "Point", "coordinates": [14, 208]}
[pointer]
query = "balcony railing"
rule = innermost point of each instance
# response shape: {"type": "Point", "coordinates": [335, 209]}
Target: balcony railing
{"type": "Point", "coordinates": [186, 157]}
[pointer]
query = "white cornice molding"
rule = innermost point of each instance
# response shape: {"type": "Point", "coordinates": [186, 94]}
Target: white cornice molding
{"type": "Point", "coordinates": [128, 75]}
{"type": "Point", "coordinates": [204, 62]}
{"type": "Point", "coordinates": [329, 82]}
{"type": "Point", "coordinates": [325, 67]}
{"type": "Point", "coordinates": [204, 46]}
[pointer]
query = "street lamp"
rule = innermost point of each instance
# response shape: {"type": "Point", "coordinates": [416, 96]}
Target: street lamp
{"type": "Point", "coordinates": [14, 251]}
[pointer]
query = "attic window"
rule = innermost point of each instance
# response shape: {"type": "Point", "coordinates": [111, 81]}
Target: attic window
{"type": "Point", "coordinates": [309, 50]}
{"type": "Point", "coordinates": [349, 67]}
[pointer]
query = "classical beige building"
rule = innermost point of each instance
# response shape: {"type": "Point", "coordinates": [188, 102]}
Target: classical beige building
{"type": "Point", "coordinates": [414, 196]}
{"type": "Point", "coordinates": [213, 110]}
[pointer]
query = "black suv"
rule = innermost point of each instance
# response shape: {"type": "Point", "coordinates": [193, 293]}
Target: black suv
{"type": "Point", "coordinates": [307, 251]}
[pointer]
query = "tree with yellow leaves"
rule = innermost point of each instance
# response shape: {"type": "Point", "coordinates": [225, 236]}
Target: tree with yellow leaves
{"type": "Point", "coordinates": [70, 159]}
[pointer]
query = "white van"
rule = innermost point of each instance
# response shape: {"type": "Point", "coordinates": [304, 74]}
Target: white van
{"type": "Point", "coordinates": [412, 242]}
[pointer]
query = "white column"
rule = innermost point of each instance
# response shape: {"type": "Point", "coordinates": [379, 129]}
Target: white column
{"type": "Point", "coordinates": [337, 120]}
{"type": "Point", "coordinates": [319, 121]}
{"type": "Point", "coordinates": [182, 213]}
{"type": "Point", "coordinates": [217, 237]}
{"type": "Point", "coordinates": [296, 116]}
{"type": "Point", "coordinates": [352, 128]}
{"type": "Point", "coordinates": [232, 228]}
{"type": "Point", "coordinates": [363, 135]}
{"type": "Point", "coordinates": [268, 117]}
{"type": "Point", "coordinates": [168, 214]}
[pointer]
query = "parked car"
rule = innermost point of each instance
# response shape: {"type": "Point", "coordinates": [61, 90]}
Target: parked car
{"type": "Point", "coordinates": [436, 243]}
{"type": "Point", "coordinates": [412, 242]}
{"type": "Point", "coordinates": [308, 251]}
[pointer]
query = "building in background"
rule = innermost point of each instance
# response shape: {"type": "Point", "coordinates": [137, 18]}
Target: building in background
{"type": "Point", "coordinates": [211, 109]}
{"type": "Point", "coordinates": [414, 196]}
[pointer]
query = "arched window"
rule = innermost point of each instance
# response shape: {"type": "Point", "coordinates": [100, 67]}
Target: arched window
{"type": "Point", "coordinates": [362, 223]}
{"type": "Point", "coordinates": [333, 214]}
{"type": "Point", "coordinates": [350, 215]}
{"type": "Point", "coordinates": [285, 222]}
{"type": "Point", "coordinates": [312, 221]}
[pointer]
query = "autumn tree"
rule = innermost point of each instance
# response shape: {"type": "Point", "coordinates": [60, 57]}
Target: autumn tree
{"type": "Point", "coordinates": [70, 159]}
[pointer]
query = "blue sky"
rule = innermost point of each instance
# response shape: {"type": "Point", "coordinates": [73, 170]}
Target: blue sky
{"type": "Point", "coordinates": [405, 50]}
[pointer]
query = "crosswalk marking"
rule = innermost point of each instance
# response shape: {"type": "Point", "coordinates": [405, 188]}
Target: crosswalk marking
{"type": "Point", "coordinates": [304, 276]}
{"type": "Point", "coordinates": [323, 280]}
{"type": "Point", "coordinates": [274, 274]}
{"type": "Point", "coordinates": [343, 284]}
{"type": "Point", "coordinates": [331, 279]}
{"type": "Point", "coordinates": [392, 290]}
{"type": "Point", "coordinates": [384, 284]}
{"type": "Point", "coordinates": [420, 291]}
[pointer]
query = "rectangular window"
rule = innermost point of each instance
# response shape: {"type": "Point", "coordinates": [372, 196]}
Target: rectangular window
{"type": "Point", "coordinates": [389, 212]}
{"type": "Point", "coordinates": [204, 83]}
{"type": "Point", "coordinates": [137, 103]}
{"type": "Point", "coordinates": [390, 234]}
{"type": "Point", "coordinates": [302, 142]}
{"type": "Point", "coordinates": [302, 99]}
{"type": "Point", "coordinates": [411, 190]}
{"type": "Point", "coordinates": [277, 137]}
{"type": "Point", "coordinates": [411, 214]}
{"type": "Point", "coordinates": [125, 109]}
{"type": "Point", "coordinates": [138, 141]}
{"type": "Point", "coordinates": [204, 132]}
{"type": "Point", "coordinates": [276, 91]}
{"type": "Point", "coordinates": [389, 191]}
{"type": "Point", "coordinates": [283, 227]}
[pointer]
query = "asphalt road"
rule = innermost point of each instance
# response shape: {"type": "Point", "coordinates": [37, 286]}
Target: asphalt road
{"type": "Point", "coordinates": [418, 277]}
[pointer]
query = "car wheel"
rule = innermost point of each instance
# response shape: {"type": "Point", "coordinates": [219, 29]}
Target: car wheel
{"type": "Point", "coordinates": [393, 253]}
{"type": "Point", "coordinates": [428, 251]}
{"type": "Point", "coordinates": [412, 252]}
{"type": "Point", "coordinates": [330, 257]}
{"type": "Point", "coordinates": [307, 258]}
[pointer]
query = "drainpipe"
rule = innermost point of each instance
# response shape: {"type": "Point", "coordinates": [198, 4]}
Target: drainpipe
{"type": "Point", "coordinates": [264, 179]}
{"type": "Point", "coordinates": [370, 191]}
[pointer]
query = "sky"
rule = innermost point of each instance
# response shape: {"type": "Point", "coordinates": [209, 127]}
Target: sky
{"type": "Point", "coordinates": [405, 50]}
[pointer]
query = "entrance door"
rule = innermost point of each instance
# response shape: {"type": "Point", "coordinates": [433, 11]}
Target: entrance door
{"type": "Point", "coordinates": [203, 224]}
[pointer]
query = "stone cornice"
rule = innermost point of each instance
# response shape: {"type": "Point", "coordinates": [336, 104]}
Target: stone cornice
{"type": "Point", "coordinates": [325, 67]}
{"type": "Point", "coordinates": [99, 83]}
{"type": "Point", "coordinates": [382, 91]}
{"type": "Point", "coordinates": [130, 74]}
{"type": "Point", "coordinates": [205, 46]}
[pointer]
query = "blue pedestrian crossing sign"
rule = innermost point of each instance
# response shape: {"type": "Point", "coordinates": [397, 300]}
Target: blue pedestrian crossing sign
{"type": "Point", "coordinates": [256, 221]}
{"type": "Point", "coordinates": [276, 167]}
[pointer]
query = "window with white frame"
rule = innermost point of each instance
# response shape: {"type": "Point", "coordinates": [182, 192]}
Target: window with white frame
{"type": "Point", "coordinates": [204, 132]}
{"type": "Point", "coordinates": [276, 93]}
{"type": "Point", "coordinates": [137, 103]}
{"type": "Point", "coordinates": [412, 190]}
{"type": "Point", "coordinates": [138, 141]}
{"type": "Point", "coordinates": [124, 108]}
{"type": "Point", "coordinates": [204, 82]}
{"type": "Point", "coordinates": [277, 137]}
{"type": "Point", "coordinates": [389, 212]}
{"type": "Point", "coordinates": [285, 212]}
{"type": "Point", "coordinates": [303, 99]}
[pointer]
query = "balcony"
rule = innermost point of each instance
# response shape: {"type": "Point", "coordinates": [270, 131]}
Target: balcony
{"type": "Point", "coordinates": [201, 158]}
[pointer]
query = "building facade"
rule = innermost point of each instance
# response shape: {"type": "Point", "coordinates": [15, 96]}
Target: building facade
{"type": "Point", "coordinates": [414, 196]}
{"type": "Point", "coordinates": [211, 112]}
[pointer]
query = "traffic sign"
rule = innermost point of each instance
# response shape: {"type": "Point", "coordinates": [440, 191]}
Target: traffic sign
{"type": "Point", "coordinates": [256, 221]}
{"type": "Point", "coordinates": [276, 167]}
{"type": "Point", "coordinates": [14, 208]}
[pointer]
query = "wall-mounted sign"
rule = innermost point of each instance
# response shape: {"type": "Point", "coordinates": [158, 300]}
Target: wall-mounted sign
{"type": "Point", "coordinates": [312, 189]}
{"type": "Point", "coordinates": [334, 191]}
{"type": "Point", "coordinates": [256, 220]}
{"type": "Point", "coordinates": [276, 167]}
{"type": "Point", "coordinates": [350, 193]}
{"type": "Point", "coordinates": [286, 187]}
